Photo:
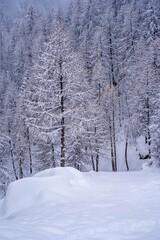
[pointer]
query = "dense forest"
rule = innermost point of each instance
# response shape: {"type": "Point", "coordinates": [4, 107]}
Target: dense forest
{"type": "Point", "coordinates": [77, 83]}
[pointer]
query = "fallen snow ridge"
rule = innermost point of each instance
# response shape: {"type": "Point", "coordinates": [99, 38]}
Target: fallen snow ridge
{"type": "Point", "coordinates": [42, 187]}
{"type": "Point", "coordinates": [64, 204]}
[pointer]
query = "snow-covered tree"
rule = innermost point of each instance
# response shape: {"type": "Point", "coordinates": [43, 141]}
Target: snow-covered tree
{"type": "Point", "coordinates": [56, 93]}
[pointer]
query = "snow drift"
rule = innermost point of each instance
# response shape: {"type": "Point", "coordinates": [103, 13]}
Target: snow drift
{"type": "Point", "coordinates": [114, 206]}
{"type": "Point", "coordinates": [47, 185]}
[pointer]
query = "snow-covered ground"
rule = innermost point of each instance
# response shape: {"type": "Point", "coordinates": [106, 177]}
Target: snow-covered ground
{"type": "Point", "coordinates": [68, 205]}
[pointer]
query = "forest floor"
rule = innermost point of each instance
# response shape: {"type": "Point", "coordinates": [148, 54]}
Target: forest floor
{"type": "Point", "coordinates": [92, 206]}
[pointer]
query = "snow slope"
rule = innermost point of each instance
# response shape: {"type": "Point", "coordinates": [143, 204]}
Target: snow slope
{"type": "Point", "coordinates": [44, 186]}
{"type": "Point", "coordinates": [110, 206]}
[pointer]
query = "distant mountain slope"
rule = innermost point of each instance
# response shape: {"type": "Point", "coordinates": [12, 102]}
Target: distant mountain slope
{"type": "Point", "coordinates": [17, 7]}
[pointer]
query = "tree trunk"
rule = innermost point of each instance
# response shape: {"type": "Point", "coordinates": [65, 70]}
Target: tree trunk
{"type": "Point", "coordinates": [114, 140]}
{"type": "Point", "coordinates": [113, 84]}
{"type": "Point", "coordinates": [12, 159]}
{"type": "Point", "coordinates": [126, 154]}
{"type": "Point", "coordinates": [53, 163]}
{"type": "Point", "coordinates": [111, 141]}
{"type": "Point", "coordinates": [148, 138]}
{"type": "Point", "coordinates": [62, 119]}
{"type": "Point", "coordinates": [21, 161]}
{"type": "Point", "coordinates": [97, 162]}
{"type": "Point", "coordinates": [20, 169]}
{"type": "Point", "coordinates": [62, 143]}
{"type": "Point", "coordinates": [93, 165]}
{"type": "Point", "coordinates": [30, 152]}
{"type": "Point", "coordinates": [97, 151]}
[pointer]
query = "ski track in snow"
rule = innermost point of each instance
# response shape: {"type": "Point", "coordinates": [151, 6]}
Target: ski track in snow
{"type": "Point", "coordinates": [114, 206]}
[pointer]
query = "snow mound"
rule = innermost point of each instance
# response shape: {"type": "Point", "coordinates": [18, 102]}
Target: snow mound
{"type": "Point", "coordinates": [47, 185]}
{"type": "Point", "coordinates": [66, 171]}
{"type": "Point", "coordinates": [72, 175]}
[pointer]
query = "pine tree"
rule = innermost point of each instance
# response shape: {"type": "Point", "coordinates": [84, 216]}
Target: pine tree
{"type": "Point", "coordinates": [54, 96]}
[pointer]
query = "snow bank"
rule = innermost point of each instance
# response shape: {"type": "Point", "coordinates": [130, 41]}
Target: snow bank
{"type": "Point", "coordinates": [44, 186]}
{"type": "Point", "coordinates": [115, 206]}
{"type": "Point", "coordinates": [73, 176]}
{"type": "Point", "coordinates": [66, 171]}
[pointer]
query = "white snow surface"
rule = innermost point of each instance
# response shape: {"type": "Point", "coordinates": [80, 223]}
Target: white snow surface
{"type": "Point", "coordinates": [44, 186]}
{"type": "Point", "coordinates": [64, 204]}
{"type": "Point", "coordinates": [67, 171]}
